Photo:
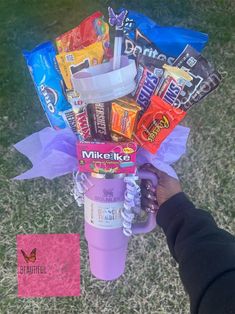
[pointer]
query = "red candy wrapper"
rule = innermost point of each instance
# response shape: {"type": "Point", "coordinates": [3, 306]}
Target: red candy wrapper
{"type": "Point", "coordinates": [157, 123]}
{"type": "Point", "coordinates": [82, 123]}
{"type": "Point", "coordinates": [90, 30]}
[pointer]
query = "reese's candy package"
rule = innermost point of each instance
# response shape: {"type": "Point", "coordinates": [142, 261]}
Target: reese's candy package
{"type": "Point", "coordinates": [124, 117]}
{"type": "Point", "coordinates": [82, 123]}
{"type": "Point", "coordinates": [157, 123]}
{"type": "Point", "coordinates": [74, 61]}
{"type": "Point", "coordinates": [48, 82]}
{"type": "Point", "coordinates": [89, 31]}
{"type": "Point", "coordinates": [205, 78]}
{"type": "Point", "coordinates": [99, 121]}
{"type": "Point", "coordinates": [172, 84]}
{"type": "Point", "coordinates": [148, 77]}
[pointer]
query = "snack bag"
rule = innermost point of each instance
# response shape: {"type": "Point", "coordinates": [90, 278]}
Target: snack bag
{"type": "Point", "coordinates": [89, 31]}
{"type": "Point", "coordinates": [141, 45]}
{"type": "Point", "coordinates": [205, 78]}
{"type": "Point", "coordinates": [48, 82]}
{"type": "Point", "coordinates": [124, 117]}
{"type": "Point", "coordinates": [75, 61]}
{"type": "Point", "coordinates": [160, 42]}
{"type": "Point", "coordinates": [156, 124]}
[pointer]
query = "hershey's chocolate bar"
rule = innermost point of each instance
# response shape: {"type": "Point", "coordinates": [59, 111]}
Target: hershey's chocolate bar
{"type": "Point", "coordinates": [99, 120]}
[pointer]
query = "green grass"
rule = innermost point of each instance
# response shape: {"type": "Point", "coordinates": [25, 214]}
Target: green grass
{"type": "Point", "coordinates": [151, 283]}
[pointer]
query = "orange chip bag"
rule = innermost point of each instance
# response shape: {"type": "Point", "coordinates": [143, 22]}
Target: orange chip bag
{"type": "Point", "coordinates": [157, 123]}
{"type": "Point", "coordinates": [74, 61]}
{"type": "Point", "coordinates": [124, 114]}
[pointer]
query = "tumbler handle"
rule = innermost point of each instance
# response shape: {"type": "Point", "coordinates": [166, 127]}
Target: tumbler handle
{"type": "Point", "coordinates": [150, 223]}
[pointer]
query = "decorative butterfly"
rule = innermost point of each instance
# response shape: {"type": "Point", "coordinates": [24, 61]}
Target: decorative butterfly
{"type": "Point", "coordinates": [117, 19]}
{"type": "Point", "coordinates": [31, 257]}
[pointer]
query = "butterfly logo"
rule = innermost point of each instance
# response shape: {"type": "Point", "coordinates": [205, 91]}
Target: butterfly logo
{"type": "Point", "coordinates": [31, 258]}
{"type": "Point", "coordinates": [117, 19]}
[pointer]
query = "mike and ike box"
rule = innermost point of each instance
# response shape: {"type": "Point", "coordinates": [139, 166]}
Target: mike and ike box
{"type": "Point", "coordinates": [107, 157]}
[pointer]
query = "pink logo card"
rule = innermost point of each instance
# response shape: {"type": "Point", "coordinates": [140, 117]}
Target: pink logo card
{"type": "Point", "coordinates": [48, 265]}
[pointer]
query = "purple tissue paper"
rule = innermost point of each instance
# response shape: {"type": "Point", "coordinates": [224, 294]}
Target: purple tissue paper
{"type": "Point", "coordinates": [171, 149]}
{"type": "Point", "coordinates": [53, 153]}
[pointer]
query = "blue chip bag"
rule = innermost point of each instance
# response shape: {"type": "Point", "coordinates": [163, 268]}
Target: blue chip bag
{"type": "Point", "coordinates": [164, 43]}
{"type": "Point", "coordinates": [48, 82]}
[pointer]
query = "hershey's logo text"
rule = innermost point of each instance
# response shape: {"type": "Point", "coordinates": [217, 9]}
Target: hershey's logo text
{"type": "Point", "coordinates": [100, 116]}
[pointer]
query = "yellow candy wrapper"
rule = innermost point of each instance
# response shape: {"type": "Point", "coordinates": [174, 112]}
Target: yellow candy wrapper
{"type": "Point", "coordinates": [74, 61]}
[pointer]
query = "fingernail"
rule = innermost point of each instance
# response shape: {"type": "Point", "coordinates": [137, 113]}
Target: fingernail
{"type": "Point", "coordinates": [151, 209]}
{"type": "Point", "coordinates": [151, 196]}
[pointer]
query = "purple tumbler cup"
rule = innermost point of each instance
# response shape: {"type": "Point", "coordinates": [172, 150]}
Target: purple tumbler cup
{"type": "Point", "coordinates": [107, 244]}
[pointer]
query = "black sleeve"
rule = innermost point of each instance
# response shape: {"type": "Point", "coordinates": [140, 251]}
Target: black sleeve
{"type": "Point", "coordinates": [205, 254]}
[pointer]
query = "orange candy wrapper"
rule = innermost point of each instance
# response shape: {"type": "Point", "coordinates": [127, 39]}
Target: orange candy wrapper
{"type": "Point", "coordinates": [124, 114]}
{"type": "Point", "coordinates": [156, 124]}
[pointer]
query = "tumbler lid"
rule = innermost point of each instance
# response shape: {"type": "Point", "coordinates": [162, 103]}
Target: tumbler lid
{"type": "Point", "coordinates": [101, 84]}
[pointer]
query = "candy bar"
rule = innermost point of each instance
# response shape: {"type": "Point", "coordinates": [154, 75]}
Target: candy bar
{"type": "Point", "coordinates": [82, 123]}
{"type": "Point", "coordinates": [156, 124]}
{"type": "Point", "coordinates": [148, 78]}
{"type": "Point", "coordinates": [69, 118]}
{"type": "Point", "coordinates": [99, 120]}
{"type": "Point", "coordinates": [124, 115]}
{"type": "Point", "coordinates": [204, 77]}
{"type": "Point", "coordinates": [172, 84]}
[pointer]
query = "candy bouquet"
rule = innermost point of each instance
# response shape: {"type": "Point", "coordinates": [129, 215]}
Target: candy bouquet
{"type": "Point", "coordinates": [111, 111]}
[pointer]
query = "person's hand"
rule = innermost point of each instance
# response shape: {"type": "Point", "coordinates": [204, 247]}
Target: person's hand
{"type": "Point", "coordinates": [167, 187]}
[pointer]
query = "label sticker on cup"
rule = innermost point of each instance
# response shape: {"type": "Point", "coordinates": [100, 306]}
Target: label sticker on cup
{"type": "Point", "coordinates": [103, 215]}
